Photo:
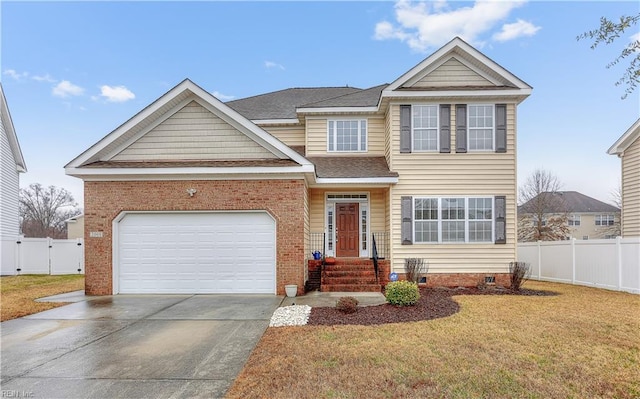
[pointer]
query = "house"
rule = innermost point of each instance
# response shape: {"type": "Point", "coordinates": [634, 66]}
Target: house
{"type": "Point", "coordinates": [583, 217]}
{"type": "Point", "coordinates": [194, 195]}
{"type": "Point", "coordinates": [10, 168]}
{"type": "Point", "coordinates": [628, 149]}
{"type": "Point", "coordinates": [75, 227]}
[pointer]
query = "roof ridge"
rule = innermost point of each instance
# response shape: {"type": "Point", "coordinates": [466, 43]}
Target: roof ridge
{"type": "Point", "coordinates": [294, 88]}
{"type": "Point", "coordinates": [344, 95]}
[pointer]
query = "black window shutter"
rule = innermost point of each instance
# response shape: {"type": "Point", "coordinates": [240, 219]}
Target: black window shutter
{"type": "Point", "coordinates": [405, 128]}
{"type": "Point", "coordinates": [501, 128]}
{"type": "Point", "coordinates": [501, 217]}
{"type": "Point", "coordinates": [445, 128]}
{"type": "Point", "coordinates": [407, 220]}
{"type": "Point", "coordinates": [461, 128]}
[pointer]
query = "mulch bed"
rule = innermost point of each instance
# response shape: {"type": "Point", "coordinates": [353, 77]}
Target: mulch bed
{"type": "Point", "coordinates": [434, 303]}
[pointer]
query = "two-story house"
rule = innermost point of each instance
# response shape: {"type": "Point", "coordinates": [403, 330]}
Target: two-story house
{"type": "Point", "coordinates": [193, 195]}
{"type": "Point", "coordinates": [583, 217]}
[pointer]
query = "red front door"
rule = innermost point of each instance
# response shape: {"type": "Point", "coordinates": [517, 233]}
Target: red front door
{"type": "Point", "coordinates": [347, 230]}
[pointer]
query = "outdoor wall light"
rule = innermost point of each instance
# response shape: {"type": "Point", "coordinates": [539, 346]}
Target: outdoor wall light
{"type": "Point", "coordinates": [191, 191]}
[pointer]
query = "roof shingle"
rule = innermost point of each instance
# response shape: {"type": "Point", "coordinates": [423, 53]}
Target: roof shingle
{"type": "Point", "coordinates": [351, 167]}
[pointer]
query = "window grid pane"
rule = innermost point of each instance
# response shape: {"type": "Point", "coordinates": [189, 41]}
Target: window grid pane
{"type": "Point", "coordinates": [348, 135]}
{"type": "Point", "coordinates": [425, 127]}
{"type": "Point", "coordinates": [481, 127]}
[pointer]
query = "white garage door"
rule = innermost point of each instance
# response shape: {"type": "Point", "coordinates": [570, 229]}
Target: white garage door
{"type": "Point", "coordinates": [229, 252]}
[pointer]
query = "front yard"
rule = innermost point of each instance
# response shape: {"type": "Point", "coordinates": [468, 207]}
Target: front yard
{"type": "Point", "coordinates": [581, 343]}
{"type": "Point", "coordinates": [18, 293]}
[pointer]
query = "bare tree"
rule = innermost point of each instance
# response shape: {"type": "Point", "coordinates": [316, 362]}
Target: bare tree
{"type": "Point", "coordinates": [542, 214]}
{"type": "Point", "coordinates": [607, 33]}
{"type": "Point", "coordinates": [615, 230]}
{"type": "Point", "coordinates": [43, 211]}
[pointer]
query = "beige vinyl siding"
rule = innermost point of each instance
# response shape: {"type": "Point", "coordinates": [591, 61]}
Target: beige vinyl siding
{"type": "Point", "coordinates": [316, 140]}
{"type": "Point", "coordinates": [588, 226]}
{"type": "Point", "coordinates": [289, 135]}
{"type": "Point", "coordinates": [193, 133]}
{"type": "Point", "coordinates": [452, 73]}
{"type": "Point", "coordinates": [450, 174]}
{"type": "Point", "coordinates": [631, 190]}
{"type": "Point", "coordinates": [377, 208]}
{"type": "Point", "coordinates": [75, 229]}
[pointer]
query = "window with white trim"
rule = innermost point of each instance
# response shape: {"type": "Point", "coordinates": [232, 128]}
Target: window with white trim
{"type": "Point", "coordinates": [605, 220]}
{"type": "Point", "coordinates": [480, 219]}
{"type": "Point", "coordinates": [426, 219]}
{"type": "Point", "coordinates": [481, 127]}
{"type": "Point", "coordinates": [347, 135]}
{"type": "Point", "coordinates": [574, 220]}
{"type": "Point", "coordinates": [458, 219]}
{"type": "Point", "coordinates": [424, 127]}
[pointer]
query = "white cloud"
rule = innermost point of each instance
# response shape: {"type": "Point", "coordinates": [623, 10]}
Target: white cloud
{"type": "Point", "coordinates": [44, 78]}
{"type": "Point", "coordinates": [271, 64]}
{"type": "Point", "coordinates": [66, 89]}
{"type": "Point", "coordinates": [636, 37]}
{"type": "Point", "coordinates": [12, 73]}
{"type": "Point", "coordinates": [515, 30]}
{"type": "Point", "coordinates": [222, 97]}
{"type": "Point", "coordinates": [426, 25]}
{"type": "Point", "coordinates": [116, 94]}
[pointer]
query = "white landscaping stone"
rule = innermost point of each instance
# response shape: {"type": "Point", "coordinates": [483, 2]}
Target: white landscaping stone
{"type": "Point", "coordinates": [295, 315]}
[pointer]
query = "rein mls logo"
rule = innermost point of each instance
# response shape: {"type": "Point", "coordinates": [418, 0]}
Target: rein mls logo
{"type": "Point", "coordinates": [16, 394]}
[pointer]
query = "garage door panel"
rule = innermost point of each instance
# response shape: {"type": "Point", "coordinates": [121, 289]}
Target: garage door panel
{"type": "Point", "coordinates": [196, 253]}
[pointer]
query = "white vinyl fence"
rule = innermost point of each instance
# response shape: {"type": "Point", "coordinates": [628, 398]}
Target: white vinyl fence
{"type": "Point", "coordinates": [610, 264]}
{"type": "Point", "coordinates": [47, 256]}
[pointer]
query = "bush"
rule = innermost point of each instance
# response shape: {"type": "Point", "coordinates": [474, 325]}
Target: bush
{"type": "Point", "coordinates": [519, 272]}
{"type": "Point", "coordinates": [402, 293]}
{"type": "Point", "coordinates": [347, 304]}
{"type": "Point", "coordinates": [414, 268]}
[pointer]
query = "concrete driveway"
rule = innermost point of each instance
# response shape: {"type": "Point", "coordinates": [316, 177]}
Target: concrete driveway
{"type": "Point", "coordinates": [134, 346]}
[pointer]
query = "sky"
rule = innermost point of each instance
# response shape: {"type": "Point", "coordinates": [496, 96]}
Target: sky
{"type": "Point", "coordinates": [72, 72]}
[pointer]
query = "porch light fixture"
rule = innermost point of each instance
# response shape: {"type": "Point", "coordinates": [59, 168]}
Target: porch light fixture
{"type": "Point", "coordinates": [191, 191]}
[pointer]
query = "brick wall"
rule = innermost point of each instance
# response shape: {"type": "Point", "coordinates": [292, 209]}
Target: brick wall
{"type": "Point", "coordinates": [283, 199]}
{"type": "Point", "coordinates": [463, 279]}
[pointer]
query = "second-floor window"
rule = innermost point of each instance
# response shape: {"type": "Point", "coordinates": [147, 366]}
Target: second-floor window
{"type": "Point", "coordinates": [574, 220]}
{"type": "Point", "coordinates": [605, 220]}
{"type": "Point", "coordinates": [481, 127]}
{"type": "Point", "coordinates": [347, 135]}
{"type": "Point", "coordinates": [425, 127]}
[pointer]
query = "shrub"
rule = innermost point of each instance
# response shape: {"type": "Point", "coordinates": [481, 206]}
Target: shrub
{"type": "Point", "coordinates": [414, 268]}
{"type": "Point", "coordinates": [519, 272]}
{"type": "Point", "coordinates": [402, 293]}
{"type": "Point", "coordinates": [347, 304]}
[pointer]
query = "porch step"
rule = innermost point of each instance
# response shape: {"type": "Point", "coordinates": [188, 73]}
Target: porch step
{"type": "Point", "coordinates": [350, 275]}
{"type": "Point", "coordinates": [352, 288]}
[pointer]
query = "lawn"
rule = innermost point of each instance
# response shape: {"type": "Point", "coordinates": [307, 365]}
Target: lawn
{"type": "Point", "coordinates": [18, 293]}
{"type": "Point", "coordinates": [581, 343]}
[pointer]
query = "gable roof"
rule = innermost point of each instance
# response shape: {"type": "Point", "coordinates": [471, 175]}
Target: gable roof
{"type": "Point", "coordinates": [10, 131]}
{"type": "Point", "coordinates": [282, 104]}
{"type": "Point", "coordinates": [628, 138]}
{"type": "Point", "coordinates": [174, 100]}
{"type": "Point", "coordinates": [572, 202]}
{"type": "Point", "coordinates": [501, 79]}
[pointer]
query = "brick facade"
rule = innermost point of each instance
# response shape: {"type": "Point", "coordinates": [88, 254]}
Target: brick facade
{"type": "Point", "coordinates": [283, 199]}
{"type": "Point", "coordinates": [464, 279]}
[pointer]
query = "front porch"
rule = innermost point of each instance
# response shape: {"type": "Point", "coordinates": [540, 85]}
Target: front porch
{"type": "Point", "coordinates": [350, 228]}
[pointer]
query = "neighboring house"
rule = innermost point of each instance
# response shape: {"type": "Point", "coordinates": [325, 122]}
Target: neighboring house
{"type": "Point", "coordinates": [75, 227]}
{"type": "Point", "coordinates": [12, 164]}
{"type": "Point", "coordinates": [628, 149]}
{"type": "Point", "coordinates": [585, 217]}
{"type": "Point", "coordinates": [195, 195]}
